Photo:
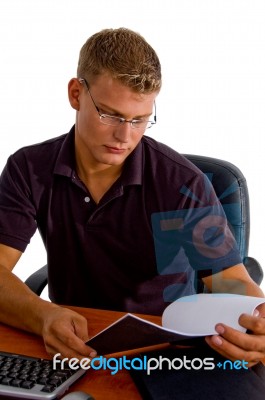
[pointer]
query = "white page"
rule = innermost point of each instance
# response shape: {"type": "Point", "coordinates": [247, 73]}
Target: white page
{"type": "Point", "coordinates": [198, 314]}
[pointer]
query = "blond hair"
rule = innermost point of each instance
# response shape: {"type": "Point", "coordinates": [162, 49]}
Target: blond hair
{"type": "Point", "coordinates": [124, 54]}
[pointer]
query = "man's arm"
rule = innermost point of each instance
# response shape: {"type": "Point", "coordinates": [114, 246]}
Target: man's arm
{"type": "Point", "coordinates": [229, 342]}
{"type": "Point", "coordinates": [233, 280]}
{"type": "Point", "coordinates": [64, 331]}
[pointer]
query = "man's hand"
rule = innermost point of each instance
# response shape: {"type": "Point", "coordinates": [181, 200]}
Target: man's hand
{"type": "Point", "coordinates": [65, 331]}
{"type": "Point", "coordinates": [229, 342]}
{"type": "Point", "coordinates": [236, 345]}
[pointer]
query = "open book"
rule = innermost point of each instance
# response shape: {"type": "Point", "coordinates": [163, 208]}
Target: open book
{"type": "Point", "coordinates": [186, 318]}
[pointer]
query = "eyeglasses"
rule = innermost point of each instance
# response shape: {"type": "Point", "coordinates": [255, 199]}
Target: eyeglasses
{"type": "Point", "coordinates": [116, 121]}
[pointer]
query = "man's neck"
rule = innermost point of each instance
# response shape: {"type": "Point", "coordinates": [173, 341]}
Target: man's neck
{"type": "Point", "coordinates": [98, 180]}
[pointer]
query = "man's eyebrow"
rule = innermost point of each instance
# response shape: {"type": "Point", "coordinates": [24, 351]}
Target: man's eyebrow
{"type": "Point", "coordinates": [104, 107]}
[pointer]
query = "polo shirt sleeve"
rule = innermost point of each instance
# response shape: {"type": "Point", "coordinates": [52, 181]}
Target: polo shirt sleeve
{"type": "Point", "coordinates": [196, 231]}
{"type": "Point", "coordinates": [207, 240]}
{"type": "Point", "coordinates": [17, 211]}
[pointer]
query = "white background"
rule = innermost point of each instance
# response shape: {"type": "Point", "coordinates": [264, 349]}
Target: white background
{"type": "Point", "coordinates": [213, 97]}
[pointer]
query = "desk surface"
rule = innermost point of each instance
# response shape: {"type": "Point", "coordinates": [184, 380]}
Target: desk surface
{"type": "Point", "coordinates": [100, 384]}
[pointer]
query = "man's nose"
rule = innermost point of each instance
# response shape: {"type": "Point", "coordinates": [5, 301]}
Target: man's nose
{"type": "Point", "coordinates": [123, 132]}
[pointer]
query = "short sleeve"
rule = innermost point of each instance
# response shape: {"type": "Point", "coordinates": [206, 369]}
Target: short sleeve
{"type": "Point", "coordinates": [17, 211]}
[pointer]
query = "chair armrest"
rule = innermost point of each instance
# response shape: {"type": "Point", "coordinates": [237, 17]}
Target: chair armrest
{"type": "Point", "coordinates": [38, 280]}
{"type": "Point", "coordinates": [254, 269]}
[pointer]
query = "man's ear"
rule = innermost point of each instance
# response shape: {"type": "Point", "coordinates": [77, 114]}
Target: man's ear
{"type": "Point", "coordinates": [74, 89]}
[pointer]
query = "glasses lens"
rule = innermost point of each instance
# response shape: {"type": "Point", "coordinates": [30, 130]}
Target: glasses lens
{"type": "Point", "coordinates": [109, 120]}
{"type": "Point", "coordinates": [142, 124]}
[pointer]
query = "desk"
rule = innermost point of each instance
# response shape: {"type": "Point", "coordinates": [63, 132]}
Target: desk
{"type": "Point", "coordinates": [100, 384]}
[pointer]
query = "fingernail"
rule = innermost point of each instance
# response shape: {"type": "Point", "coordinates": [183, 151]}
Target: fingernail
{"type": "Point", "coordinates": [220, 329]}
{"type": "Point", "coordinates": [256, 313]}
{"type": "Point", "coordinates": [217, 340]}
{"type": "Point", "coordinates": [93, 354]}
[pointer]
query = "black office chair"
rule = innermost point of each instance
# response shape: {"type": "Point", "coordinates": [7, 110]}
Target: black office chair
{"type": "Point", "coordinates": [231, 188]}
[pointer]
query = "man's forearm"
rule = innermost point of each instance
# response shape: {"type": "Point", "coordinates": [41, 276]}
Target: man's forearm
{"type": "Point", "coordinates": [19, 306]}
{"type": "Point", "coordinates": [233, 280]}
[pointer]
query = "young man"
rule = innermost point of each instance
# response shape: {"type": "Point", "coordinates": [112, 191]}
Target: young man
{"type": "Point", "coordinates": [103, 198]}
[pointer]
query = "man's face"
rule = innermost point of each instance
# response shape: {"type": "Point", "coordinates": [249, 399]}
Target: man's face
{"type": "Point", "coordinates": [99, 145]}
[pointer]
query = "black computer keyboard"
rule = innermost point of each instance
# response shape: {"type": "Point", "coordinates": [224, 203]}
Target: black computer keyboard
{"type": "Point", "coordinates": [33, 378]}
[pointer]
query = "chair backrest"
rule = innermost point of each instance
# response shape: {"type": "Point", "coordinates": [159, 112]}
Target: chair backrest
{"type": "Point", "coordinates": [231, 188]}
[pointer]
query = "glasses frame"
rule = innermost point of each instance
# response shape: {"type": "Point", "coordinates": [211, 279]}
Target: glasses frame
{"type": "Point", "coordinates": [120, 120]}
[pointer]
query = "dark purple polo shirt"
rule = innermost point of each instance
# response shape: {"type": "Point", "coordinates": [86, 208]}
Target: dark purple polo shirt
{"type": "Point", "coordinates": [140, 248]}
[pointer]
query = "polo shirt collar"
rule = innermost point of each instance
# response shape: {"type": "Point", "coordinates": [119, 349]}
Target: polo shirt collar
{"type": "Point", "coordinates": [133, 172]}
{"type": "Point", "coordinates": [65, 163]}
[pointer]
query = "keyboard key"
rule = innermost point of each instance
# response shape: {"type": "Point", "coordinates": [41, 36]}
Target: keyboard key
{"type": "Point", "coordinates": [27, 384]}
{"type": "Point", "coordinates": [48, 388]}
{"type": "Point", "coordinates": [6, 381]}
{"type": "Point", "coordinates": [16, 382]}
